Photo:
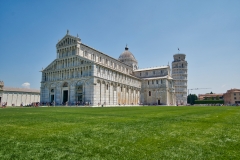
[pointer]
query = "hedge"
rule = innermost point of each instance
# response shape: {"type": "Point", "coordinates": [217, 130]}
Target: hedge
{"type": "Point", "coordinates": [209, 102]}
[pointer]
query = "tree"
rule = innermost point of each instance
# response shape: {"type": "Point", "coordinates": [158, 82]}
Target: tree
{"type": "Point", "coordinates": [191, 98]}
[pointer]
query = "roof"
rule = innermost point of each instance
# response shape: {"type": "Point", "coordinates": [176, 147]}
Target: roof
{"type": "Point", "coordinates": [233, 90]}
{"type": "Point", "coordinates": [152, 68]}
{"type": "Point", "coordinates": [212, 95]}
{"type": "Point", "coordinates": [105, 54]}
{"type": "Point", "coordinates": [127, 55]}
{"type": "Point", "coordinates": [11, 89]}
{"type": "Point", "coordinates": [179, 54]}
{"type": "Point", "coordinates": [201, 96]}
{"type": "Point", "coordinates": [163, 77]}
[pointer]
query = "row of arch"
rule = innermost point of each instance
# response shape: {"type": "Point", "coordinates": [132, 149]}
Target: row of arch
{"type": "Point", "coordinates": [180, 65]}
{"type": "Point", "coordinates": [103, 92]}
{"type": "Point", "coordinates": [116, 93]}
{"type": "Point", "coordinates": [116, 76]}
{"type": "Point", "coordinates": [76, 72]}
{"type": "Point", "coordinates": [158, 72]}
{"type": "Point", "coordinates": [67, 49]}
{"type": "Point", "coordinates": [68, 62]}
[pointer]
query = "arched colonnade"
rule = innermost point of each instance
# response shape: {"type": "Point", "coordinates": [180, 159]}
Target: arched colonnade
{"type": "Point", "coordinates": [112, 93]}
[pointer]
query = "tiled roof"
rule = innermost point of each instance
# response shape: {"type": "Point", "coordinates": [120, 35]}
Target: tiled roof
{"type": "Point", "coordinates": [147, 69]}
{"type": "Point", "coordinates": [20, 89]}
{"type": "Point", "coordinates": [163, 77]}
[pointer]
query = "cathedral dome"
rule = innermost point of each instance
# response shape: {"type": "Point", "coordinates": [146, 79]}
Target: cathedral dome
{"type": "Point", "coordinates": [127, 56]}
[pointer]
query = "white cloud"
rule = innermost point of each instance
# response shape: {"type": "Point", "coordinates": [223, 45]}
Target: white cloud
{"type": "Point", "coordinates": [26, 85]}
{"type": "Point", "coordinates": [223, 85]}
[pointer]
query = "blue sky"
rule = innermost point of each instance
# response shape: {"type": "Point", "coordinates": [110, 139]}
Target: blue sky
{"type": "Point", "coordinates": [208, 32]}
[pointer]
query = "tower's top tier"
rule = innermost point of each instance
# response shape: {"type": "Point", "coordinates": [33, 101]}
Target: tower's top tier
{"type": "Point", "coordinates": [179, 57]}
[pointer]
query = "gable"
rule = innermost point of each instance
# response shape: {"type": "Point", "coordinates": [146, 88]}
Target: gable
{"type": "Point", "coordinates": [68, 40]}
{"type": "Point", "coordinates": [73, 61]}
{"type": "Point", "coordinates": [50, 67]}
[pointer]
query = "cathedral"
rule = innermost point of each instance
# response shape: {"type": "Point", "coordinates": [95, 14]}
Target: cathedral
{"type": "Point", "coordinates": [83, 75]}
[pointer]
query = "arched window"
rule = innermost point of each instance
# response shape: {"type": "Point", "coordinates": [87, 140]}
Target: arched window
{"type": "Point", "coordinates": [149, 93]}
{"type": "Point", "coordinates": [65, 84]}
{"type": "Point", "coordinates": [86, 53]}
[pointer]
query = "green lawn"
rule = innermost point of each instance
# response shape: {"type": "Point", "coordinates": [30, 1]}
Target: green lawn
{"type": "Point", "coordinates": [120, 133]}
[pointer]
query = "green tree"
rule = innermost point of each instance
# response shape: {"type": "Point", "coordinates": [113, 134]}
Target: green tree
{"type": "Point", "coordinates": [191, 98]}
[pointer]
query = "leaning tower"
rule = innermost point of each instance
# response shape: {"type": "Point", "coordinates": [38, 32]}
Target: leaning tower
{"type": "Point", "coordinates": [179, 74]}
{"type": "Point", "coordinates": [1, 85]}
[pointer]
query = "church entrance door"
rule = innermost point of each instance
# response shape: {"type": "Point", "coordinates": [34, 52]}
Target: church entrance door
{"type": "Point", "coordinates": [80, 94]}
{"type": "Point", "coordinates": [65, 96]}
{"type": "Point", "coordinates": [52, 98]}
{"type": "Point", "coordinates": [159, 102]}
{"type": "Point", "coordinates": [80, 98]}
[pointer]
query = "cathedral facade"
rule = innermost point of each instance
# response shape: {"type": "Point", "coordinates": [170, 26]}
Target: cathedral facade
{"type": "Point", "coordinates": [83, 75]}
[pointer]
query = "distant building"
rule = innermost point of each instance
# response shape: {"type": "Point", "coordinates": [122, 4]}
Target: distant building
{"type": "Point", "coordinates": [18, 96]}
{"type": "Point", "coordinates": [232, 96]}
{"type": "Point", "coordinates": [157, 86]}
{"type": "Point", "coordinates": [212, 96]}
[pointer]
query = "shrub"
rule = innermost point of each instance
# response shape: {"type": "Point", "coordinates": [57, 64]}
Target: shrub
{"type": "Point", "coordinates": [209, 102]}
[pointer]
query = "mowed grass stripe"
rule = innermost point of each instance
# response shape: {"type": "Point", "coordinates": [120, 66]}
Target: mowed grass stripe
{"type": "Point", "coordinates": [120, 133]}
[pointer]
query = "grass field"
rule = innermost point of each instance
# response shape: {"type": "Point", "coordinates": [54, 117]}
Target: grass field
{"type": "Point", "coordinates": [120, 133]}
